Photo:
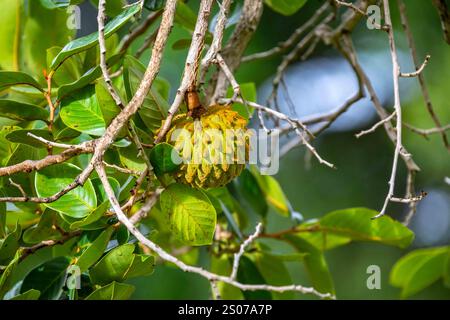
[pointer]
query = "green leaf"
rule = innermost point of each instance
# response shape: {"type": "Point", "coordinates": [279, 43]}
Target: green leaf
{"type": "Point", "coordinates": [89, 41]}
{"type": "Point", "coordinates": [47, 278]}
{"type": "Point", "coordinates": [6, 147]}
{"type": "Point", "coordinates": [154, 5]}
{"type": "Point", "coordinates": [185, 17]}
{"type": "Point", "coordinates": [69, 72]}
{"type": "Point", "coordinates": [113, 266]}
{"type": "Point", "coordinates": [113, 7]}
{"type": "Point", "coordinates": [181, 44]}
{"type": "Point", "coordinates": [44, 230]}
{"type": "Point", "coordinates": [315, 264]}
{"type": "Point", "coordinates": [164, 158]}
{"type": "Point", "coordinates": [11, 78]}
{"type": "Point", "coordinates": [142, 265]}
{"type": "Point", "coordinates": [191, 215]}
{"type": "Point", "coordinates": [11, 17]}
{"type": "Point", "coordinates": [31, 294]}
{"type": "Point", "coordinates": [222, 266]}
{"type": "Point", "coordinates": [87, 78]}
{"type": "Point", "coordinates": [10, 245]}
{"type": "Point", "coordinates": [112, 291]}
{"type": "Point", "coordinates": [42, 256]}
{"type": "Point", "coordinates": [273, 271]}
{"type": "Point", "coordinates": [356, 224]}
{"type": "Point", "coordinates": [77, 203]}
{"type": "Point", "coordinates": [7, 278]}
{"type": "Point", "coordinates": [95, 250]}
{"type": "Point", "coordinates": [43, 29]}
{"type": "Point", "coordinates": [120, 264]}
{"type": "Point", "coordinates": [273, 193]}
{"type": "Point", "coordinates": [22, 111]}
{"type": "Point", "coordinates": [419, 269]}
{"type": "Point", "coordinates": [154, 108]}
{"type": "Point", "coordinates": [81, 112]}
{"type": "Point", "coordinates": [248, 92]}
{"type": "Point", "coordinates": [248, 273]}
{"type": "Point", "coordinates": [21, 136]}
{"type": "Point", "coordinates": [247, 190]}
{"type": "Point", "coordinates": [285, 7]}
{"type": "Point", "coordinates": [54, 4]}
{"type": "Point", "coordinates": [2, 219]}
{"type": "Point", "coordinates": [107, 105]}
{"type": "Point", "coordinates": [89, 222]}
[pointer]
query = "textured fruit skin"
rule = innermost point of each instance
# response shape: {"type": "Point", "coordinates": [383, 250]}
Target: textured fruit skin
{"type": "Point", "coordinates": [209, 162]}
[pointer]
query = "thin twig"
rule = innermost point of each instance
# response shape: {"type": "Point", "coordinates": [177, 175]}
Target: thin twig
{"type": "Point", "coordinates": [244, 245]}
{"type": "Point", "coordinates": [375, 126]}
{"type": "Point", "coordinates": [397, 107]}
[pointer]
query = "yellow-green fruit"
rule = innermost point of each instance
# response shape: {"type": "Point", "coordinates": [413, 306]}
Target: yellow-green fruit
{"type": "Point", "coordinates": [214, 147]}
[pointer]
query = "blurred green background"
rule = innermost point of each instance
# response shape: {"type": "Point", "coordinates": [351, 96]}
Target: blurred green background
{"type": "Point", "coordinates": [363, 164]}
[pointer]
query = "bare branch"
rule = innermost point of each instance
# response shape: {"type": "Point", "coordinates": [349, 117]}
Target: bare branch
{"type": "Point", "coordinates": [234, 49]}
{"type": "Point", "coordinates": [418, 71]}
{"type": "Point", "coordinates": [293, 38]}
{"type": "Point", "coordinates": [148, 205]}
{"type": "Point", "coordinates": [51, 143]}
{"type": "Point", "coordinates": [189, 79]}
{"type": "Point", "coordinates": [375, 126]}
{"type": "Point", "coordinates": [397, 107]}
{"type": "Point", "coordinates": [244, 245]}
{"type": "Point", "coordinates": [420, 76]}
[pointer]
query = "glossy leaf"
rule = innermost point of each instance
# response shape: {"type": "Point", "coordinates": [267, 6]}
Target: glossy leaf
{"type": "Point", "coordinates": [164, 158]}
{"type": "Point", "coordinates": [31, 294]}
{"type": "Point", "coordinates": [249, 273]}
{"type": "Point", "coordinates": [21, 136]}
{"type": "Point", "coordinates": [315, 264]}
{"type": "Point", "coordinates": [273, 271]}
{"type": "Point", "coordinates": [248, 92]}
{"type": "Point", "coordinates": [119, 264]}
{"type": "Point", "coordinates": [86, 42]}
{"type": "Point", "coordinates": [419, 269]}
{"type": "Point", "coordinates": [47, 278]}
{"type": "Point", "coordinates": [95, 250]}
{"type": "Point", "coordinates": [9, 245]}
{"type": "Point", "coordinates": [22, 111]}
{"type": "Point", "coordinates": [154, 5]}
{"type": "Point", "coordinates": [82, 112]}
{"type": "Point", "coordinates": [222, 266]}
{"type": "Point", "coordinates": [77, 203]}
{"type": "Point", "coordinates": [154, 108]}
{"type": "Point", "coordinates": [285, 7]}
{"type": "Point", "coordinates": [43, 29]}
{"type": "Point", "coordinates": [191, 215]}
{"type": "Point", "coordinates": [89, 222]}
{"type": "Point", "coordinates": [112, 291]}
{"type": "Point", "coordinates": [248, 192]}
{"type": "Point", "coordinates": [44, 230]}
{"type": "Point", "coordinates": [11, 78]}
{"type": "Point", "coordinates": [2, 220]}
{"type": "Point", "coordinates": [273, 193]}
{"type": "Point", "coordinates": [7, 277]}
{"type": "Point", "coordinates": [356, 224]}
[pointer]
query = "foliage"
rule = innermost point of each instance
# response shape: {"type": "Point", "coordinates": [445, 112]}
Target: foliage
{"type": "Point", "coordinates": [40, 242]}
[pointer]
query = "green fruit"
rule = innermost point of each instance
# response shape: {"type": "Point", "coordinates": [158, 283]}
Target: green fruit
{"type": "Point", "coordinates": [214, 147]}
